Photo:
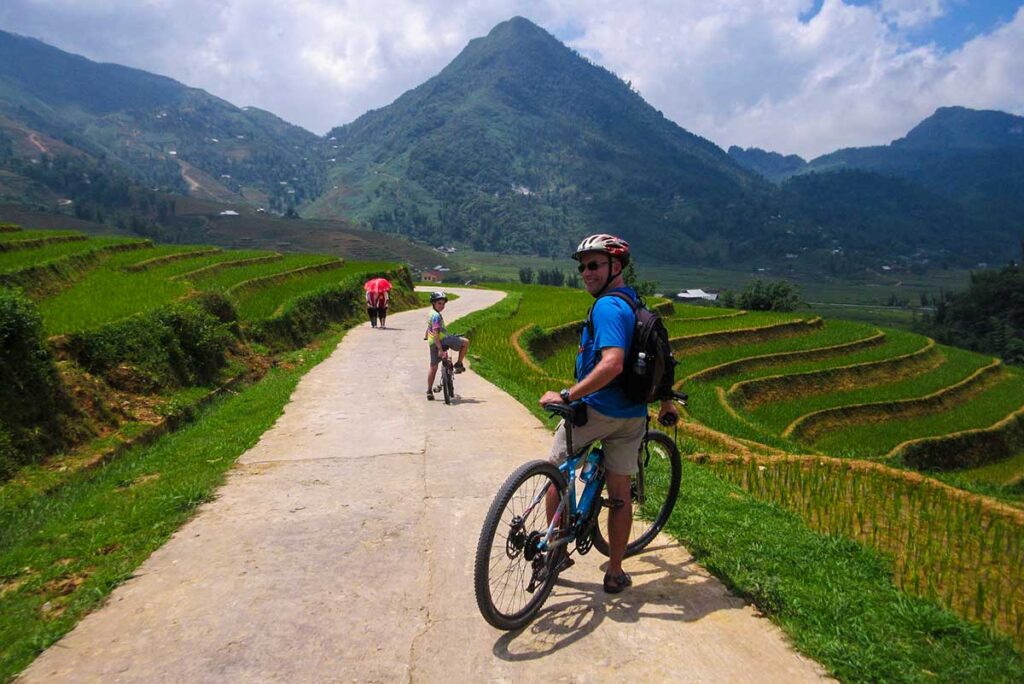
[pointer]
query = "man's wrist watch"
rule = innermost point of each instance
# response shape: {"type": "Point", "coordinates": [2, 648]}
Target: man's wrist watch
{"type": "Point", "coordinates": [565, 396]}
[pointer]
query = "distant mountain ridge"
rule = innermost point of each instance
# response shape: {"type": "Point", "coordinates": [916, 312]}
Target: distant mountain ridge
{"type": "Point", "coordinates": [771, 165]}
{"type": "Point", "coordinates": [150, 128]}
{"type": "Point", "coordinates": [519, 145]}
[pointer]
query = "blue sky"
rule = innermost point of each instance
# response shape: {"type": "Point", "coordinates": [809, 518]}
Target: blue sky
{"type": "Point", "coordinates": [964, 21]}
{"type": "Point", "coordinates": [793, 76]}
{"type": "Point", "coordinates": [961, 20]}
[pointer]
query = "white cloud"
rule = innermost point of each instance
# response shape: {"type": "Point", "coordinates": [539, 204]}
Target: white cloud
{"type": "Point", "coordinates": [745, 72]}
{"type": "Point", "coordinates": [912, 13]}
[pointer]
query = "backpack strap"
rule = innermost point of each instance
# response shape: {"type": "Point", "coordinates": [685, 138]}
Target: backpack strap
{"type": "Point", "coordinates": [633, 306]}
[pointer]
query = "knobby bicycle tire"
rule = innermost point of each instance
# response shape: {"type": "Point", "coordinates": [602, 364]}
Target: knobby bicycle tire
{"type": "Point", "coordinates": [499, 578]}
{"type": "Point", "coordinates": [448, 383]}
{"type": "Point", "coordinates": [662, 473]}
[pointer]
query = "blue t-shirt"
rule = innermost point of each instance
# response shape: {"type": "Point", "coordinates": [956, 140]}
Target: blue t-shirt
{"type": "Point", "coordinates": [613, 327]}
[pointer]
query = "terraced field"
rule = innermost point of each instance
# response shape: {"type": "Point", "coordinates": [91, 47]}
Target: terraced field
{"type": "Point", "coordinates": [12, 261]}
{"type": "Point", "coordinates": [263, 301]}
{"type": "Point", "coordinates": [793, 383]}
{"type": "Point", "coordinates": [844, 391]}
{"type": "Point", "coordinates": [827, 419]}
{"type": "Point", "coordinates": [81, 283]}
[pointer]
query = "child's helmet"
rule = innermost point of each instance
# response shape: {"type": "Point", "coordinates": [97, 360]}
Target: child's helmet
{"type": "Point", "coordinates": [437, 296]}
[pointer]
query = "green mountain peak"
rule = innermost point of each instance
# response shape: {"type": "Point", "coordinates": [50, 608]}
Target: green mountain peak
{"type": "Point", "coordinates": [520, 144]}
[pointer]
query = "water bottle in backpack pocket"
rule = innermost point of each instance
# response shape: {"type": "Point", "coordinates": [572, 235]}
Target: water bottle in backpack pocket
{"type": "Point", "coordinates": [649, 371]}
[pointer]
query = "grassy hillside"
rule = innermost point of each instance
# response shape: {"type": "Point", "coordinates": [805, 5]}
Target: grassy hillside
{"type": "Point", "coordinates": [151, 128]}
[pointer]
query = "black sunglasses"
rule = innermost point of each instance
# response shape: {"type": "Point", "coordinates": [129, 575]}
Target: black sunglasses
{"type": "Point", "coordinates": [590, 266]}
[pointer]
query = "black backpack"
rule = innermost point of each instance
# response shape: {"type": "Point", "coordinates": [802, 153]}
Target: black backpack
{"type": "Point", "coordinates": [649, 370]}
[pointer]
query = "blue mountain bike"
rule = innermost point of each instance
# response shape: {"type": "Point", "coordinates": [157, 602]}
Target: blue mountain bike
{"type": "Point", "coordinates": [521, 550]}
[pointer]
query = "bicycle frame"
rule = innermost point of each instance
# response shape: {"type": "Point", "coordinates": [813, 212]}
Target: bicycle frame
{"type": "Point", "coordinates": [578, 511]}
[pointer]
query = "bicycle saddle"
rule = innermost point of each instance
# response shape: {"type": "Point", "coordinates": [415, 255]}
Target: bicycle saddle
{"type": "Point", "coordinates": [567, 411]}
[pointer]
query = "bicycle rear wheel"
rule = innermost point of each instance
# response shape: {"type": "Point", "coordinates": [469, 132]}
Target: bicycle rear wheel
{"type": "Point", "coordinates": [448, 382]}
{"type": "Point", "coordinates": [511, 578]}
{"type": "Point", "coordinates": [653, 492]}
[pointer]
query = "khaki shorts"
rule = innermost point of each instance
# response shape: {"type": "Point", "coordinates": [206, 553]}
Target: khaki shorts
{"type": "Point", "coordinates": [620, 437]}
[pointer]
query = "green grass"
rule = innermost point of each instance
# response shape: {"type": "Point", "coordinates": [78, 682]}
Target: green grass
{"type": "Point", "coordinates": [124, 259]}
{"type": "Point", "coordinates": [897, 343]}
{"type": "Point", "coordinates": [682, 311]}
{"type": "Point", "coordinates": [877, 439]}
{"type": "Point", "coordinates": [752, 319]}
{"type": "Point", "coordinates": [892, 317]}
{"type": "Point", "coordinates": [706, 408]}
{"type": "Point", "coordinates": [106, 295]}
{"type": "Point", "coordinates": [177, 268]}
{"type": "Point", "coordinates": [18, 236]}
{"type": "Point", "coordinates": [263, 303]}
{"type": "Point", "coordinates": [222, 280]}
{"type": "Point", "coordinates": [562, 364]}
{"type": "Point", "coordinates": [830, 334]}
{"type": "Point", "coordinates": [834, 598]}
{"type": "Point", "coordinates": [1007, 472]}
{"type": "Point", "coordinates": [103, 523]}
{"type": "Point", "coordinates": [959, 364]}
{"type": "Point", "coordinates": [23, 258]}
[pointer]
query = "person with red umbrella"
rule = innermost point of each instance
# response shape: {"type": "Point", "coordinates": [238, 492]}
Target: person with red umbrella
{"type": "Point", "coordinates": [377, 300]}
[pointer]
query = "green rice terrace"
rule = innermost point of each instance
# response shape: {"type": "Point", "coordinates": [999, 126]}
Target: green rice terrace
{"type": "Point", "coordinates": [895, 463]}
{"type": "Point", "coordinates": [115, 337]}
{"type": "Point", "coordinates": [913, 449]}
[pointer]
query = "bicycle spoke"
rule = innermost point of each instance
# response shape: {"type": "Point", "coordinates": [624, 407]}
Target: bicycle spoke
{"type": "Point", "coordinates": [508, 592]}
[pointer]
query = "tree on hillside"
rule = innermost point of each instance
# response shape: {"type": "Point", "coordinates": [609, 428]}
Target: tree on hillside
{"type": "Point", "coordinates": [550, 277]}
{"type": "Point", "coordinates": [759, 295]}
{"type": "Point", "coordinates": [988, 317]}
{"type": "Point", "coordinates": [644, 288]}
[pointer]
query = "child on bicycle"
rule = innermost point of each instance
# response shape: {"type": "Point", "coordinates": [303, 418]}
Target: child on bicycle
{"type": "Point", "coordinates": [441, 341]}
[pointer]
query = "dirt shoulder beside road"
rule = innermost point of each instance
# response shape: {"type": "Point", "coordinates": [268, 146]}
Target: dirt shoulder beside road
{"type": "Point", "coordinates": [341, 549]}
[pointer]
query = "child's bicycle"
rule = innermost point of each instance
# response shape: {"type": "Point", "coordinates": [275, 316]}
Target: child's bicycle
{"type": "Point", "coordinates": [446, 379]}
{"type": "Point", "coordinates": [521, 552]}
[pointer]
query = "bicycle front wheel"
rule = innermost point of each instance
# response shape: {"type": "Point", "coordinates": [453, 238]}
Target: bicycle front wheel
{"type": "Point", "coordinates": [653, 493]}
{"type": "Point", "coordinates": [511, 577]}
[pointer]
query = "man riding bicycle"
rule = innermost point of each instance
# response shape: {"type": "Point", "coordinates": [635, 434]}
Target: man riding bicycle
{"type": "Point", "coordinates": [441, 341]}
{"type": "Point", "coordinates": [610, 416]}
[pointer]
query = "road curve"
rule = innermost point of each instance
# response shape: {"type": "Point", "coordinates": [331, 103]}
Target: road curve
{"type": "Point", "coordinates": [341, 549]}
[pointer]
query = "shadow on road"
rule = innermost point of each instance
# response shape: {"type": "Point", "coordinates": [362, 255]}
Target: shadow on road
{"type": "Point", "coordinates": [660, 591]}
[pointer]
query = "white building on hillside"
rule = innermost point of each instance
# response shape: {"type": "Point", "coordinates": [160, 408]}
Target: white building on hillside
{"type": "Point", "coordinates": [697, 294]}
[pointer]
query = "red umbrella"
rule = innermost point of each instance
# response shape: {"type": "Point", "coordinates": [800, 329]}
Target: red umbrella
{"type": "Point", "coordinates": [377, 285]}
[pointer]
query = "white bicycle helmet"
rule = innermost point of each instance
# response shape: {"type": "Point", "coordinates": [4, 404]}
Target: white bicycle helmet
{"type": "Point", "coordinates": [602, 242]}
{"type": "Point", "coordinates": [437, 296]}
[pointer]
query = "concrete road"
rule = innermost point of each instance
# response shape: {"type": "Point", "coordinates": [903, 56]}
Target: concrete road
{"type": "Point", "coordinates": [341, 549]}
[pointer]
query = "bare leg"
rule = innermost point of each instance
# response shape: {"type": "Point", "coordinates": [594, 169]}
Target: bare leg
{"type": "Point", "coordinates": [619, 521]}
{"type": "Point", "coordinates": [430, 378]}
{"type": "Point", "coordinates": [462, 352]}
{"type": "Point", "coordinates": [551, 501]}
